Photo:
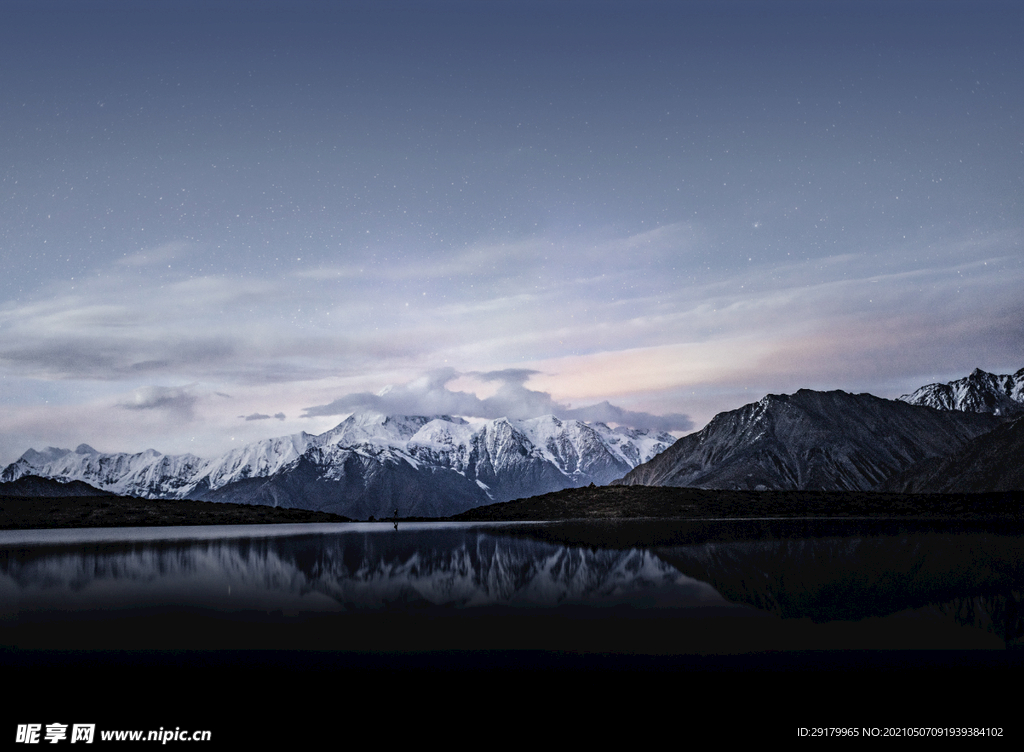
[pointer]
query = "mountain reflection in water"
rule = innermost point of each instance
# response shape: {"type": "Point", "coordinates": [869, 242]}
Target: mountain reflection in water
{"type": "Point", "coordinates": [436, 586]}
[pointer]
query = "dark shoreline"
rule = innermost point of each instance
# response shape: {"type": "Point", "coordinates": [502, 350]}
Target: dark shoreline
{"type": "Point", "coordinates": [663, 502]}
{"type": "Point", "coordinates": [636, 503]}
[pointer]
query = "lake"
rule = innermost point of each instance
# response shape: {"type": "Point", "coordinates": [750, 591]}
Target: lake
{"type": "Point", "coordinates": [736, 600]}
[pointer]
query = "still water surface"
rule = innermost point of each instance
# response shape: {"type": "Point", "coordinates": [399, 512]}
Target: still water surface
{"type": "Point", "coordinates": [704, 587]}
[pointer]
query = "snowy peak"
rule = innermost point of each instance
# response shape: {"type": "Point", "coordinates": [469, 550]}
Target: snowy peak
{"type": "Point", "coordinates": [378, 428]}
{"type": "Point", "coordinates": [38, 459]}
{"type": "Point", "coordinates": [635, 445]}
{"type": "Point", "coordinates": [257, 460]}
{"type": "Point", "coordinates": [981, 392]}
{"type": "Point", "coordinates": [442, 432]}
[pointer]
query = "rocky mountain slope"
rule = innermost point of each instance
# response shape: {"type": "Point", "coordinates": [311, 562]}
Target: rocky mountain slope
{"type": "Point", "coordinates": [992, 462]}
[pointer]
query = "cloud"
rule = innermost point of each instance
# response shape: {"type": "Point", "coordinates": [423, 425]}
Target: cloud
{"type": "Point", "coordinates": [261, 416]}
{"type": "Point", "coordinates": [161, 255]}
{"type": "Point", "coordinates": [179, 400]}
{"type": "Point", "coordinates": [605, 412]}
{"type": "Point", "coordinates": [533, 301]}
{"type": "Point", "coordinates": [105, 358]}
{"type": "Point", "coordinates": [429, 395]}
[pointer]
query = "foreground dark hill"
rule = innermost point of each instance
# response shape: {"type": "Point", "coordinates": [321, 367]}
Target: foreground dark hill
{"type": "Point", "coordinates": [643, 504]}
{"type": "Point", "coordinates": [811, 440]}
{"type": "Point", "coordinates": [992, 462]}
{"type": "Point", "coordinates": [33, 485]}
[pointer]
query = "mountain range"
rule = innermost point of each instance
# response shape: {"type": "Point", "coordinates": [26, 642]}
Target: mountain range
{"type": "Point", "coordinates": [966, 435]}
{"type": "Point", "coordinates": [371, 465]}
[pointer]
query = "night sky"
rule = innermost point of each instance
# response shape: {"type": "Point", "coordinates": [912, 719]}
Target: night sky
{"type": "Point", "coordinates": [225, 221]}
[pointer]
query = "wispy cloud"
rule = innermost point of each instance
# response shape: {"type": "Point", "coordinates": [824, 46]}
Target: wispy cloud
{"type": "Point", "coordinates": [160, 255]}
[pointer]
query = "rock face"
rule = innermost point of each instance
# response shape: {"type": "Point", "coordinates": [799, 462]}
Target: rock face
{"type": "Point", "coordinates": [992, 462]}
{"type": "Point", "coordinates": [372, 464]}
{"type": "Point", "coordinates": [980, 392]}
{"type": "Point", "coordinates": [811, 441]}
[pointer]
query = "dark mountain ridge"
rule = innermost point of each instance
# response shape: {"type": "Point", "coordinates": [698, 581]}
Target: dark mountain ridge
{"type": "Point", "coordinates": [811, 440]}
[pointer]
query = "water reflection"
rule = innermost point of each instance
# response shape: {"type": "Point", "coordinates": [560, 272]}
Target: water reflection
{"type": "Point", "coordinates": [700, 589]}
{"type": "Point", "coordinates": [971, 579]}
{"type": "Point", "coordinates": [354, 570]}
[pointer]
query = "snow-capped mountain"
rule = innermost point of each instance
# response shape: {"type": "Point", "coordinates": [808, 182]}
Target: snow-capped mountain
{"type": "Point", "coordinates": [148, 474]}
{"type": "Point", "coordinates": [371, 464]}
{"type": "Point", "coordinates": [153, 475]}
{"type": "Point", "coordinates": [981, 392]}
{"type": "Point", "coordinates": [810, 440]}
